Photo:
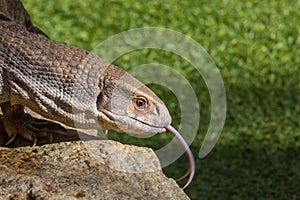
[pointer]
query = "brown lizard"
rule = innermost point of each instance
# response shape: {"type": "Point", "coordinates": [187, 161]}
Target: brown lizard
{"type": "Point", "coordinates": [69, 85]}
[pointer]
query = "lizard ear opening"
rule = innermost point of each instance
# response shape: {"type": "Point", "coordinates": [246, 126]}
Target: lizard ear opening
{"type": "Point", "coordinates": [99, 100]}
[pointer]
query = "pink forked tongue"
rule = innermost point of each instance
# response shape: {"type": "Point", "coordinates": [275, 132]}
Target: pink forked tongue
{"type": "Point", "coordinates": [191, 170]}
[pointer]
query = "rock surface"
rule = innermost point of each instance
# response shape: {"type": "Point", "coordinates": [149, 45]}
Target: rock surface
{"type": "Point", "coordinates": [95, 169]}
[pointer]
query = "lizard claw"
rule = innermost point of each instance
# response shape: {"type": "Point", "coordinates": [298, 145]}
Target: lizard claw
{"type": "Point", "coordinates": [11, 139]}
{"type": "Point", "coordinates": [34, 141]}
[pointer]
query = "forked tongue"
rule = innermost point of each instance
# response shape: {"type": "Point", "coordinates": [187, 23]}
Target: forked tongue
{"type": "Point", "coordinates": [191, 170]}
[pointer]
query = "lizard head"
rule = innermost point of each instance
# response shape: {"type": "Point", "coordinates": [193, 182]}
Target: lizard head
{"type": "Point", "coordinates": [127, 105]}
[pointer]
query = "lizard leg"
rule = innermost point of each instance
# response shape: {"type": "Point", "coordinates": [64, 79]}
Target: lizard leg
{"type": "Point", "coordinates": [17, 122]}
{"type": "Point", "coordinates": [11, 119]}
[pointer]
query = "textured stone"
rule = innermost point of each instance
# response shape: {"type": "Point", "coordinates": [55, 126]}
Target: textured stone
{"type": "Point", "coordinates": [94, 169]}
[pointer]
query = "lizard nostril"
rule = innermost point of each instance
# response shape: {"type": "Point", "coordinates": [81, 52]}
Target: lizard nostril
{"type": "Point", "coordinates": [157, 110]}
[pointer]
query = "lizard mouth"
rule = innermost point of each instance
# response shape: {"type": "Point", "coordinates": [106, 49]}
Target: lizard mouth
{"type": "Point", "coordinates": [146, 123]}
{"type": "Point", "coordinates": [132, 125]}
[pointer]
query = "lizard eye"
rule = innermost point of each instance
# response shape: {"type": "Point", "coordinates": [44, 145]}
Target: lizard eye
{"type": "Point", "coordinates": [140, 103]}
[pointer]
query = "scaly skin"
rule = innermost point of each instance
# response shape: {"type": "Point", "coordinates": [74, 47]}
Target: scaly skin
{"type": "Point", "coordinates": [13, 10]}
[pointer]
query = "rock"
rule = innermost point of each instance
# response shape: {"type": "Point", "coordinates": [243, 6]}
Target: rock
{"type": "Point", "coordinates": [95, 169]}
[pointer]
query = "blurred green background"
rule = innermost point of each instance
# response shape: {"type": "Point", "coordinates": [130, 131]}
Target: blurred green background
{"type": "Point", "coordinates": [256, 46]}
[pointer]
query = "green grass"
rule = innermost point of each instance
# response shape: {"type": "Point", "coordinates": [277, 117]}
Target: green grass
{"type": "Point", "coordinates": [256, 46]}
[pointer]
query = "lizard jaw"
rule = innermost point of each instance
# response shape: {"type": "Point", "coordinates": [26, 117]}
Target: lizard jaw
{"type": "Point", "coordinates": [129, 124]}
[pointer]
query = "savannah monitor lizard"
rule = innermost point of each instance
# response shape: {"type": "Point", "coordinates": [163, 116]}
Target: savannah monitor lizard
{"type": "Point", "coordinates": [69, 85]}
